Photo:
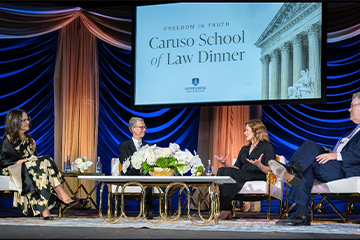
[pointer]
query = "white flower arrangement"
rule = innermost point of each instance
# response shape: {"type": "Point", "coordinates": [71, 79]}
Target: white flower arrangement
{"type": "Point", "coordinates": [171, 157]}
{"type": "Point", "coordinates": [81, 164]}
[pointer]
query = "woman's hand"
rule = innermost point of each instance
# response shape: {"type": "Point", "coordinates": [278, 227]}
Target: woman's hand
{"type": "Point", "coordinates": [20, 161]}
{"type": "Point", "coordinates": [325, 157]}
{"type": "Point", "coordinates": [256, 162]}
{"type": "Point", "coordinates": [221, 159]}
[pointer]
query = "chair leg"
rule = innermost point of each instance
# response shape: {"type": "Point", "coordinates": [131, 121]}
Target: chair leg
{"type": "Point", "coordinates": [268, 210]}
{"type": "Point", "coordinates": [348, 207]}
{"type": "Point", "coordinates": [280, 208]}
{"type": "Point", "coordinates": [312, 208]}
{"type": "Point", "coordinates": [286, 213]}
{"type": "Point", "coordinates": [233, 207]}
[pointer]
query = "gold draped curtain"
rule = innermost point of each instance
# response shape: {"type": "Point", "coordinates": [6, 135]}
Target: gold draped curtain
{"type": "Point", "coordinates": [221, 131]}
{"type": "Point", "coordinates": [76, 91]}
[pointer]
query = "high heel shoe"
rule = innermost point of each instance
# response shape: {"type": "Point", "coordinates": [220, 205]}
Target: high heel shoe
{"type": "Point", "coordinates": [46, 218]}
{"type": "Point", "coordinates": [68, 205]}
{"type": "Point", "coordinates": [225, 215]}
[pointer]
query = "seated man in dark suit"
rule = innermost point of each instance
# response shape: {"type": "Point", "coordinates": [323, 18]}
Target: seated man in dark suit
{"type": "Point", "coordinates": [127, 148]}
{"type": "Point", "coordinates": [312, 161]}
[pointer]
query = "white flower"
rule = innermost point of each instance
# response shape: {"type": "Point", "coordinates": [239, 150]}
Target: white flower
{"type": "Point", "coordinates": [147, 149]}
{"type": "Point", "coordinates": [126, 165]}
{"type": "Point", "coordinates": [151, 159]}
{"type": "Point", "coordinates": [166, 152]}
{"type": "Point", "coordinates": [79, 161]}
{"type": "Point", "coordinates": [81, 164]}
{"type": "Point", "coordinates": [174, 147]}
{"type": "Point", "coordinates": [137, 159]}
{"type": "Point", "coordinates": [147, 156]}
{"type": "Point", "coordinates": [158, 152]}
{"type": "Point", "coordinates": [195, 162]}
{"type": "Point", "coordinates": [84, 165]}
{"type": "Point", "coordinates": [184, 155]}
{"type": "Point", "coordinates": [193, 171]}
{"type": "Point", "coordinates": [185, 168]}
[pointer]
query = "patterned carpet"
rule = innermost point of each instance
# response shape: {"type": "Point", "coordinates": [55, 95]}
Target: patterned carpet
{"type": "Point", "coordinates": [240, 224]}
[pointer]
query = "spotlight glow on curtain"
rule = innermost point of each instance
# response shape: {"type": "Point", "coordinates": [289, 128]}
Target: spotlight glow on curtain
{"type": "Point", "coordinates": [26, 81]}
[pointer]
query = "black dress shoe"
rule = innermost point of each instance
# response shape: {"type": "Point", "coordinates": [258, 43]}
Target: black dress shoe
{"type": "Point", "coordinates": [295, 220]}
{"type": "Point", "coordinates": [293, 168]}
{"type": "Point", "coordinates": [46, 218]}
{"type": "Point", "coordinates": [148, 214]}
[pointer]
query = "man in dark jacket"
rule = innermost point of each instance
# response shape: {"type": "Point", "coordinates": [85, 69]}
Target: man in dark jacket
{"type": "Point", "coordinates": [312, 161]}
{"type": "Point", "coordinates": [127, 148]}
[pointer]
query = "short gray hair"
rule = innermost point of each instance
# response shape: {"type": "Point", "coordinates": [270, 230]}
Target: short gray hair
{"type": "Point", "coordinates": [133, 121]}
{"type": "Point", "coordinates": [356, 95]}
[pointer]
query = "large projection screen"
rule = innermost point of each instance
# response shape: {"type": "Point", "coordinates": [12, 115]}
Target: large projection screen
{"type": "Point", "coordinates": [198, 54]}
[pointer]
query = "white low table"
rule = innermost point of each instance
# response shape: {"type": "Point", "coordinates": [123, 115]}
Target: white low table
{"type": "Point", "coordinates": [184, 182]}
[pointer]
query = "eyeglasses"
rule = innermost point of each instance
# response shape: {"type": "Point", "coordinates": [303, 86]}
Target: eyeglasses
{"type": "Point", "coordinates": [354, 105]}
{"type": "Point", "coordinates": [26, 119]}
{"type": "Point", "coordinates": [142, 127]}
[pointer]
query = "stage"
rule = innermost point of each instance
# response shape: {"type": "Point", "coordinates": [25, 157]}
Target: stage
{"type": "Point", "coordinates": [86, 224]}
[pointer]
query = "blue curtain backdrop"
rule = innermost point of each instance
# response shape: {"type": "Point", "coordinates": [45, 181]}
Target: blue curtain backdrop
{"type": "Point", "coordinates": [26, 81]}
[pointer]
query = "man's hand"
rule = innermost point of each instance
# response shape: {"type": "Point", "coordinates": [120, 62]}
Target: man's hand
{"type": "Point", "coordinates": [325, 157]}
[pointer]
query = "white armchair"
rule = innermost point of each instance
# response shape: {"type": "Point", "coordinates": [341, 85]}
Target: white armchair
{"type": "Point", "coordinates": [346, 190]}
{"type": "Point", "coordinates": [7, 185]}
{"type": "Point", "coordinates": [130, 189]}
{"type": "Point", "coordinates": [12, 183]}
{"type": "Point", "coordinates": [271, 189]}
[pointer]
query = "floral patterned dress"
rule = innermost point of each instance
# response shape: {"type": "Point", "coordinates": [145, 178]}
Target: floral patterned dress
{"type": "Point", "coordinates": [45, 176]}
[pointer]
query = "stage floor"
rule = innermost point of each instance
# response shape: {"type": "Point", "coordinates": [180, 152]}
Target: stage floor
{"type": "Point", "coordinates": [87, 224]}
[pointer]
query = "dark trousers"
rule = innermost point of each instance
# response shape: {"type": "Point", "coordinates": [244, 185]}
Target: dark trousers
{"type": "Point", "coordinates": [148, 191]}
{"type": "Point", "coordinates": [228, 191]}
{"type": "Point", "coordinates": [305, 155]}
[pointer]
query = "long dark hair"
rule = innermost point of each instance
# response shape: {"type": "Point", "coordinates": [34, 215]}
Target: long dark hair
{"type": "Point", "coordinates": [13, 123]}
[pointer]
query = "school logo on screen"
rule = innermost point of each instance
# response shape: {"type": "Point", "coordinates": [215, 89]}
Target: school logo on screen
{"type": "Point", "coordinates": [195, 81]}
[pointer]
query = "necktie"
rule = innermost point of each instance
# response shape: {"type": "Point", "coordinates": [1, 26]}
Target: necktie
{"type": "Point", "coordinates": [138, 145]}
{"type": "Point", "coordinates": [348, 136]}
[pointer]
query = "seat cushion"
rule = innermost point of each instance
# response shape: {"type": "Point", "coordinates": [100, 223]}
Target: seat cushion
{"type": "Point", "coordinates": [345, 185]}
{"type": "Point", "coordinates": [115, 167]}
{"type": "Point", "coordinates": [261, 187]}
{"type": "Point", "coordinates": [6, 184]}
{"type": "Point", "coordinates": [131, 189]}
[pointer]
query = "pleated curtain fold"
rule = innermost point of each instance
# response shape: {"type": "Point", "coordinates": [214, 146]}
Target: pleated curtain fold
{"type": "Point", "coordinates": [76, 90]}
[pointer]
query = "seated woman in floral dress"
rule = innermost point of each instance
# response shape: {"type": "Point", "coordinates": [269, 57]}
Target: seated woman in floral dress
{"type": "Point", "coordinates": [40, 177]}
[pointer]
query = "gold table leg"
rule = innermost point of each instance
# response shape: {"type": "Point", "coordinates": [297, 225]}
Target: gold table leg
{"type": "Point", "coordinates": [114, 216]}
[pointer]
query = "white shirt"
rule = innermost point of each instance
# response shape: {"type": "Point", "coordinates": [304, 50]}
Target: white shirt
{"type": "Point", "coordinates": [136, 143]}
{"type": "Point", "coordinates": [342, 144]}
